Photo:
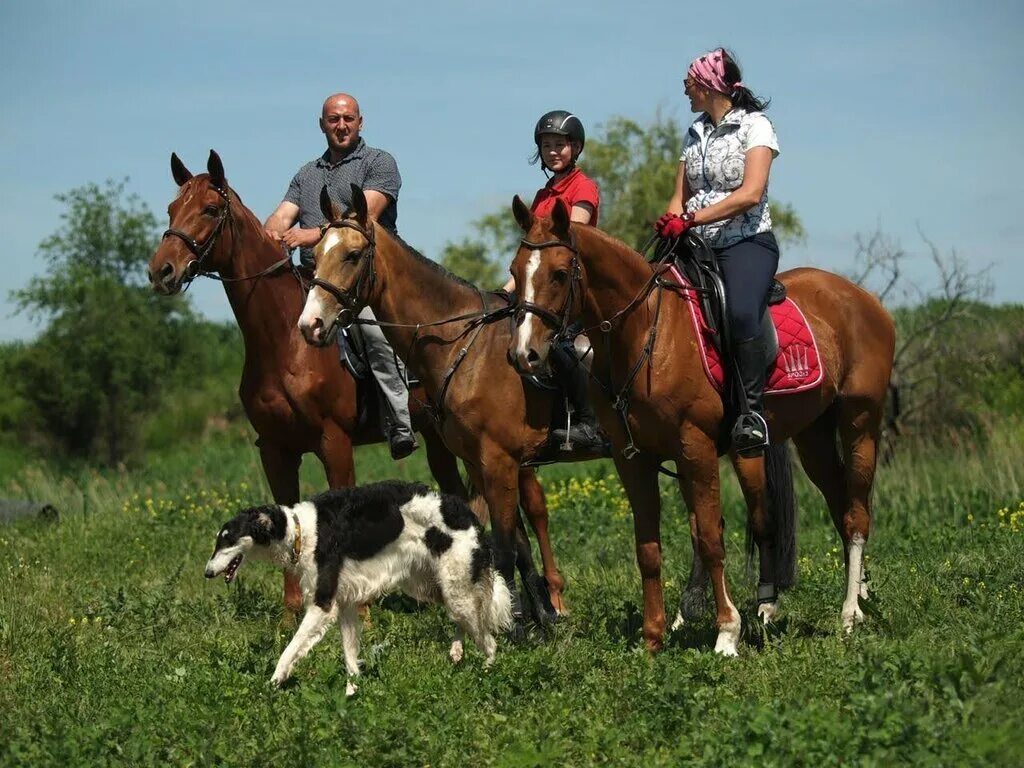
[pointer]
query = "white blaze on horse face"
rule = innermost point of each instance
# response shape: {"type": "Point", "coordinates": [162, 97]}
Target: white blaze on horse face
{"type": "Point", "coordinates": [331, 240]}
{"type": "Point", "coordinates": [312, 311]}
{"type": "Point", "coordinates": [529, 293]}
{"type": "Point", "coordinates": [854, 575]}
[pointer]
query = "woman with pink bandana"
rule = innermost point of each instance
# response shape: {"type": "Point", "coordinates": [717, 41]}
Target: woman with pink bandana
{"type": "Point", "coordinates": [722, 192]}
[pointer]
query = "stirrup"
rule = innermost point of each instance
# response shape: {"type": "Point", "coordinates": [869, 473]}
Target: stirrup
{"type": "Point", "coordinates": [750, 434]}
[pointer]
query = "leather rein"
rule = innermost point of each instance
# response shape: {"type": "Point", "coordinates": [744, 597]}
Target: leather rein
{"type": "Point", "coordinates": [619, 396]}
{"type": "Point", "coordinates": [352, 299]}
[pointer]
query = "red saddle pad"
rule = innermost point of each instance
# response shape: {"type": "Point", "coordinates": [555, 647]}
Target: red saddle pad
{"type": "Point", "coordinates": [798, 365]}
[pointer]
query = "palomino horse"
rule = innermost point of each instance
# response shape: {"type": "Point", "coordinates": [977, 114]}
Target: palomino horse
{"type": "Point", "coordinates": [298, 398]}
{"type": "Point", "coordinates": [668, 410]}
{"type": "Point", "coordinates": [454, 338]}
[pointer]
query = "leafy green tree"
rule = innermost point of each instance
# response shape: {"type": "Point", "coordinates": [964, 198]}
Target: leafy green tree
{"type": "Point", "coordinates": [109, 342]}
{"type": "Point", "coordinates": [635, 166]}
{"type": "Point", "coordinates": [469, 260]}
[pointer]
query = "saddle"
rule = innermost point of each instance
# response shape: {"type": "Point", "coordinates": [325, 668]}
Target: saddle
{"type": "Point", "coordinates": [700, 268]}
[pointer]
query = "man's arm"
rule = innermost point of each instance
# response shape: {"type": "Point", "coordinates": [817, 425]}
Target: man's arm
{"type": "Point", "coordinates": [376, 202]}
{"type": "Point", "coordinates": [281, 220]}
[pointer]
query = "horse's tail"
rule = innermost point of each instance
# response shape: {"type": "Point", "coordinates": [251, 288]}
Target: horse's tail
{"type": "Point", "coordinates": [778, 470]}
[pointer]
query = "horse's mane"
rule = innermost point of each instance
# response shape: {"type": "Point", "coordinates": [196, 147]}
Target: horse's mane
{"type": "Point", "coordinates": [620, 247]}
{"type": "Point", "coordinates": [241, 210]}
{"type": "Point", "coordinates": [438, 269]}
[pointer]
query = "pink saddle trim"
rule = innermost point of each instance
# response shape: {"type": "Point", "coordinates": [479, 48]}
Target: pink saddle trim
{"type": "Point", "coordinates": [798, 365]}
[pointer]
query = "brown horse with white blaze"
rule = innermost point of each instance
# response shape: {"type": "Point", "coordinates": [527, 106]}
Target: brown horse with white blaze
{"type": "Point", "coordinates": [455, 338]}
{"type": "Point", "coordinates": [298, 398]}
{"type": "Point", "coordinates": [669, 410]}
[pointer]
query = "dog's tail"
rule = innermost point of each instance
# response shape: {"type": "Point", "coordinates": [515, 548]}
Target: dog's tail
{"type": "Point", "coordinates": [498, 610]}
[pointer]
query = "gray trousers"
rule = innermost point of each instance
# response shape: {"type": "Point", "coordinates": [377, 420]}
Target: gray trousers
{"type": "Point", "coordinates": [389, 373]}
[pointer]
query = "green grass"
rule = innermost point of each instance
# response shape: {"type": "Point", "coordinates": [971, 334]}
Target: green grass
{"type": "Point", "coordinates": [115, 651]}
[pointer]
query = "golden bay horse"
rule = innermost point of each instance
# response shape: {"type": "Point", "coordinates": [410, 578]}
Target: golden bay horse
{"type": "Point", "coordinates": [455, 338]}
{"type": "Point", "coordinates": [298, 398]}
{"type": "Point", "coordinates": [669, 411]}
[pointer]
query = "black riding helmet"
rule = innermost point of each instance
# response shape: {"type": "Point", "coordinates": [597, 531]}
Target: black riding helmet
{"type": "Point", "coordinates": [561, 123]}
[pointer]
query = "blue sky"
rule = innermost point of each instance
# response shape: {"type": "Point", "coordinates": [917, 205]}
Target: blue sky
{"type": "Point", "coordinates": [899, 115]}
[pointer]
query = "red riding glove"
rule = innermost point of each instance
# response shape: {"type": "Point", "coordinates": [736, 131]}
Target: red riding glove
{"type": "Point", "coordinates": [670, 226]}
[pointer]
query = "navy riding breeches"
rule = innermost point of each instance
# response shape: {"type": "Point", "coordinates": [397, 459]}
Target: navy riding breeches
{"type": "Point", "coordinates": [748, 268]}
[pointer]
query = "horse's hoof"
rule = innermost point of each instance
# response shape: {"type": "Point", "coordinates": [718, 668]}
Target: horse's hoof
{"type": "Point", "coordinates": [538, 600]}
{"type": "Point", "coordinates": [851, 618]}
{"type": "Point", "coordinates": [517, 632]}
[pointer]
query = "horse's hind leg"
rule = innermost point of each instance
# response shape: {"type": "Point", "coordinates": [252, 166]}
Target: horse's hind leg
{"type": "Point", "coordinates": [859, 425]}
{"type": "Point", "coordinates": [533, 503]}
{"type": "Point", "coordinates": [819, 455]}
{"type": "Point", "coordinates": [281, 468]}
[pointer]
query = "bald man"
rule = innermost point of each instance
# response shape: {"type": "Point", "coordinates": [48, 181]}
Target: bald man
{"type": "Point", "coordinates": [296, 223]}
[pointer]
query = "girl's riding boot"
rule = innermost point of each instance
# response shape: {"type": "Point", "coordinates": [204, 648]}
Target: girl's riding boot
{"type": "Point", "coordinates": [583, 433]}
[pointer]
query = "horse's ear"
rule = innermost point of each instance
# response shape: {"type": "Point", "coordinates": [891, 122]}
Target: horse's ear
{"type": "Point", "coordinates": [216, 170]}
{"type": "Point", "coordinates": [359, 204]}
{"type": "Point", "coordinates": [180, 173]}
{"type": "Point", "coordinates": [328, 207]}
{"type": "Point", "coordinates": [522, 213]}
{"type": "Point", "coordinates": [560, 219]}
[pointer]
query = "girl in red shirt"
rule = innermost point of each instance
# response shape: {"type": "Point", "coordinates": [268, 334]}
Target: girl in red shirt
{"type": "Point", "coordinates": [560, 137]}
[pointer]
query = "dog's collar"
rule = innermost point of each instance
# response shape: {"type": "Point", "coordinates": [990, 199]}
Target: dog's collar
{"type": "Point", "coordinates": [297, 541]}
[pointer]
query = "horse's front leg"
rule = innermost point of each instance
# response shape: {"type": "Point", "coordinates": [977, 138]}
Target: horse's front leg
{"type": "Point", "coordinates": [700, 488]}
{"type": "Point", "coordinates": [640, 481]}
{"type": "Point", "coordinates": [534, 506]}
{"type": "Point", "coordinates": [281, 468]}
{"type": "Point", "coordinates": [499, 477]}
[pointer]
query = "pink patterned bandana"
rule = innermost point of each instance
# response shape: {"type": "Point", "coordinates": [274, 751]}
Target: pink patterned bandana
{"type": "Point", "coordinates": [709, 71]}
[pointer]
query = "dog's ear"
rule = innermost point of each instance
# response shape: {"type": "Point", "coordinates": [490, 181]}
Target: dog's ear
{"type": "Point", "coordinates": [265, 522]}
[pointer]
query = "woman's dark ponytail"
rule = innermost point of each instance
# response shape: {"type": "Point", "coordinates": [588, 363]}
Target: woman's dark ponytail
{"type": "Point", "coordinates": [741, 96]}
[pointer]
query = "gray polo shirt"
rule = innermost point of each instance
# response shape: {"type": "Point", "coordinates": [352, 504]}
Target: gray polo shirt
{"type": "Point", "coordinates": [365, 166]}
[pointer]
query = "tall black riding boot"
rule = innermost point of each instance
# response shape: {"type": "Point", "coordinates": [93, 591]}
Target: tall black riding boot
{"type": "Point", "coordinates": [750, 433]}
{"type": "Point", "coordinates": [572, 376]}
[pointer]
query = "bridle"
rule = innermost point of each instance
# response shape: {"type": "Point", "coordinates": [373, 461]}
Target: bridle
{"type": "Point", "coordinates": [202, 251]}
{"type": "Point", "coordinates": [618, 396]}
{"type": "Point", "coordinates": [559, 320]}
{"type": "Point", "coordinates": [349, 298]}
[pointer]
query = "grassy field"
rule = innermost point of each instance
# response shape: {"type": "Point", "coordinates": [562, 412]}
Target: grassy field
{"type": "Point", "coordinates": [115, 651]}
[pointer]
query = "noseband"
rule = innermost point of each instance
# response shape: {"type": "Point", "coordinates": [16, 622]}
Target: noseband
{"type": "Point", "coordinates": [349, 298]}
{"type": "Point", "coordinates": [560, 319]}
{"type": "Point", "coordinates": [202, 251]}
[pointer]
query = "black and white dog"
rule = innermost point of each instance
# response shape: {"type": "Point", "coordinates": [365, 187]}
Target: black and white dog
{"type": "Point", "coordinates": [352, 545]}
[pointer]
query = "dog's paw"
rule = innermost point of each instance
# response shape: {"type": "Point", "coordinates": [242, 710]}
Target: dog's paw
{"type": "Point", "coordinates": [279, 678]}
{"type": "Point", "coordinates": [351, 688]}
{"type": "Point", "coordinates": [456, 652]}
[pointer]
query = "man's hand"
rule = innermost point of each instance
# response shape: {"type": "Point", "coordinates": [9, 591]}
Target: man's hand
{"type": "Point", "coordinates": [273, 234]}
{"type": "Point", "coordinates": [300, 238]}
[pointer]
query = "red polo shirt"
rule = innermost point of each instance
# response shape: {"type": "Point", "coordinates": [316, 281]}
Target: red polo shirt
{"type": "Point", "coordinates": [573, 189]}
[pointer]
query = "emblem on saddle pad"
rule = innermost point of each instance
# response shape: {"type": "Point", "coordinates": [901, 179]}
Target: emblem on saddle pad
{"type": "Point", "coordinates": [795, 362]}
